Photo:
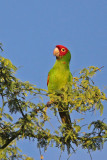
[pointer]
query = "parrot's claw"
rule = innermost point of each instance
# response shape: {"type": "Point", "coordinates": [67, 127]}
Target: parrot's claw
{"type": "Point", "coordinates": [48, 104]}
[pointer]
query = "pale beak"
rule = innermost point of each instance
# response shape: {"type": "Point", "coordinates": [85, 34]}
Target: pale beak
{"type": "Point", "coordinates": [56, 52]}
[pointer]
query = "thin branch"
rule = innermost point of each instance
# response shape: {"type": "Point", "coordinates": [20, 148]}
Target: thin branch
{"type": "Point", "coordinates": [90, 154]}
{"type": "Point", "coordinates": [3, 104]}
{"type": "Point", "coordinates": [60, 155]}
{"type": "Point", "coordinates": [69, 156]}
{"type": "Point", "coordinates": [1, 47]}
{"type": "Point", "coordinates": [99, 69]}
{"type": "Point", "coordinates": [24, 116]}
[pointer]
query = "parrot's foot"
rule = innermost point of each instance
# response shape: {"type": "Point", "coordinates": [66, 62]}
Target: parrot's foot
{"type": "Point", "coordinates": [48, 104]}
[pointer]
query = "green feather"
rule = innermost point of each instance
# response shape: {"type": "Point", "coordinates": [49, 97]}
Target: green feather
{"type": "Point", "coordinates": [59, 76]}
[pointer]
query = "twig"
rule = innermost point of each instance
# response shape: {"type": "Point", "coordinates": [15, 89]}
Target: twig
{"type": "Point", "coordinates": [99, 69]}
{"type": "Point", "coordinates": [60, 155]}
{"type": "Point", "coordinates": [41, 156]}
{"type": "Point", "coordinates": [90, 154]}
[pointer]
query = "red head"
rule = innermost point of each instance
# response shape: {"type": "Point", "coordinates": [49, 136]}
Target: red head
{"type": "Point", "coordinates": [60, 51]}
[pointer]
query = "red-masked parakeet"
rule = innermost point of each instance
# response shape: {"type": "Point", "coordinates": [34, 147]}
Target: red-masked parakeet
{"type": "Point", "coordinates": [59, 76]}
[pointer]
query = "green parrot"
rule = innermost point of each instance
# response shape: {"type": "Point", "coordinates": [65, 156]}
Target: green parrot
{"type": "Point", "coordinates": [59, 76]}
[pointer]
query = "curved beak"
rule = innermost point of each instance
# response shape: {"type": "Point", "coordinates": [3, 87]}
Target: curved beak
{"type": "Point", "coordinates": [56, 52]}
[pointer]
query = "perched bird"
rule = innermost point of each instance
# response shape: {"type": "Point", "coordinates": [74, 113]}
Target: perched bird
{"type": "Point", "coordinates": [59, 76]}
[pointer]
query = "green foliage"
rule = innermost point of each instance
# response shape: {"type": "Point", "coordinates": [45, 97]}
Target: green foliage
{"type": "Point", "coordinates": [26, 101]}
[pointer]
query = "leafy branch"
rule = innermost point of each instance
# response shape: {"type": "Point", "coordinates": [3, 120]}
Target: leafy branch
{"type": "Point", "coordinates": [22, 100]}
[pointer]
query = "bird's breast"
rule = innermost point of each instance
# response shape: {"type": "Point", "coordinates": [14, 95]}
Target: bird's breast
{"type": "Point", "coordinates": [57, 79]}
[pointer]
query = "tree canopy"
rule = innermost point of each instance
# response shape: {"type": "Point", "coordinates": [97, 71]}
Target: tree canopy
{"type": "Point", "coordinates": [81, 96]}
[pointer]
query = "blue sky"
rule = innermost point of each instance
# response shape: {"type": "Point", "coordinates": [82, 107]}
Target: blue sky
{"type": "Point", "coordinates": [29, 31]}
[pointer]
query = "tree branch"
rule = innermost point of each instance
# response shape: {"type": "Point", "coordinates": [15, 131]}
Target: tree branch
{"type": "Point", "coordinates": [15, 135]}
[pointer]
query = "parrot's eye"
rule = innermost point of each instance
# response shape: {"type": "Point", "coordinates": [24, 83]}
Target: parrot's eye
{"type": "Point", "coordinates": [63, 49]}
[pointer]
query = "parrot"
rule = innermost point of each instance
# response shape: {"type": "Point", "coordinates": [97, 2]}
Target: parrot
{"type": "Point", "coordinates": [59, 76]}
